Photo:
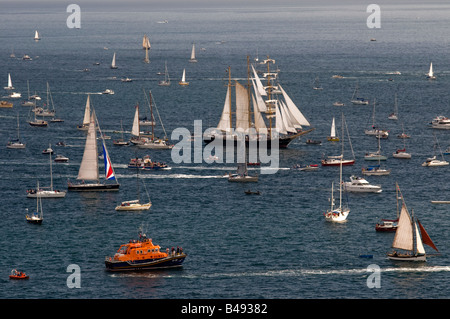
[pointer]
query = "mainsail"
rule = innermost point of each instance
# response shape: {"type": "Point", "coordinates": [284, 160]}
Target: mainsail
{"type": "Point", "coordinates": [404, 235]}
{"type": "Point", "coordinates": [89, 163]}
{"type": "Point", "coordinates": [87, 112]}
{"type": "Point", "coordinates": [225, 119]}
{"type": "Point", "coordinates": [135, 130]}
{"type": "Point", "coordinates": [242, 114]}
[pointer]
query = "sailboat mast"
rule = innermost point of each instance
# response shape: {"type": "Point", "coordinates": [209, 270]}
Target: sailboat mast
{"type": "Point", "coordinates": [151, 115]}
{"type": "Point", "coordinates": [269, 97]}
{"type": "Point", "coordinates": [229, 90]}
{"type": "Point", "coordinates": [248, 93]}
{"type": "Point", "coordinates": [51, 170]}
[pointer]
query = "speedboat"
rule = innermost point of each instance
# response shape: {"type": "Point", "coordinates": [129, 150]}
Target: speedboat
{"type": "Point", "coordinates": [387, 225]}
{"type": "Point", "coordinates": [440, 122]}
{"type": "Point", "coordinates": [48, 150]}
{"type": "Point", "coordinates": [433, 161]}
{"type": "Point", "coordinates": [142, 254]}
{"type": "Point", "coordinates": [361, 185]}
{"type": "Point", "coordinates": [401, 153]}
{"type": "Point", "coordinates": [61, 159]}
{"type": "Point", "coordinates": [108, 91]}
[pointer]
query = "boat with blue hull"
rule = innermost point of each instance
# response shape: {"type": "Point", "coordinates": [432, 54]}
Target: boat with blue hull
{"type": "Point", "coordinates": [142, 254]}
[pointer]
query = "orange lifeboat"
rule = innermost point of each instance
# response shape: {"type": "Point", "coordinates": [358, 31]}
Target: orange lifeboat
{"type": "Point", "coordinates": [142, 254]}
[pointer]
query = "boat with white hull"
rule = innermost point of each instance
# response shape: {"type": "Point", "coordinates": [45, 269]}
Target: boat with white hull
{"type": "Point", "coordinates": [361, 185]}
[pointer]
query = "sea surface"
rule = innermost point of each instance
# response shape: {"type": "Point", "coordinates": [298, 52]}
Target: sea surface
{"type": "Point", "coordinates": [273, 246]}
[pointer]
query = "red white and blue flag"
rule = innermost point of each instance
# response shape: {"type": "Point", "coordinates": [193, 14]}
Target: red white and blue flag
{"type": "Point", "coordinates": [109, 172]}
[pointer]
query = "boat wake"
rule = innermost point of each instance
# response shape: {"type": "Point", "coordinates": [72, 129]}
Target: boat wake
{"type": "Point", "coordinates": [175, 176]}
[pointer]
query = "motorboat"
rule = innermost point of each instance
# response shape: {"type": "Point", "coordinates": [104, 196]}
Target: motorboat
{"type": "Point", "coordinates": [141, 254]}
{"type": "Point", "coordinates": [361, 185]}
{"type": "Point", "coordinates": [16, 274]}
{"type": "Point", "coordinates": [387, 225]}
{"type": "Point", "coordinates": [440, 122]}
{"type": "Point", "coordinates": [108, 91]}
{"type": "Point", "coordinates": [61, 159]}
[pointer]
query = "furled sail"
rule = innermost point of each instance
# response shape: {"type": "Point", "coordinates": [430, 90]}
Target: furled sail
{"type": "Point", "coordinates": [89, 163]}
{"type": "Point", "coordinates": [404, 234]}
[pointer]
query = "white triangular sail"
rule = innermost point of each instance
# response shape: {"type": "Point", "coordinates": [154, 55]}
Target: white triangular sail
{"type": "Point", "coordinates": [87, 112]}
{"type": "Point", "coordinates": [419, 244]}
{"type": "Point", "coordinates": [333, 129]}
{"type": "Point", "coordinates": [225, 122]}
{"type": "Point", "coordinates": [404, 234]}
{"type": "Point", "coordinates": [260, 125]}
{"type": "Point", "coordinates": [136, 129]}
{"type": "Point", "coordinates": [183, 78]}
{"type": "Point", "coordinates": [261, 105]}
{"type": "Point", "coordinates": [193, 52]}
{"type": "Point", "coordinates": [242, 114]}
{"type": "Point", "coordinates": [9, 81]}
{"type": "Point", "coordinates": [286, 118]}
{"type": "Point", "coordinates": [279, 125]}
{"type": "Point", "coordinates": [89, 163]}
{"type": "Point", "coordinates": [430, 72]}
{"type": "Point", "coordinates": [113, 62]}
{"type": "Point", "coordinates": [298, 117]}
{"type": "Point", "coordinates": [259, 84]}
{"type": "Point", "coordinates": [36, 35]}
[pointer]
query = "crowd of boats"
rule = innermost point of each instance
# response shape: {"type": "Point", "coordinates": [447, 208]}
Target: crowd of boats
{"type": "Point", "coordinates": [274, 118]}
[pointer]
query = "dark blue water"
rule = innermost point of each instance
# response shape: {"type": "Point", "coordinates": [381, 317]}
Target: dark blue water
{"type": "Point", "coordinates": [276, 245]}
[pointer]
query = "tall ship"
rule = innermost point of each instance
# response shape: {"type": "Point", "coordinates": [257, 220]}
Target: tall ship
{"type": "Point", "coordinates": [88, 174]}
{"type": "Point", "coordinates": [142, 254]}
{"type": "Point", "coordinates": [254, 102]}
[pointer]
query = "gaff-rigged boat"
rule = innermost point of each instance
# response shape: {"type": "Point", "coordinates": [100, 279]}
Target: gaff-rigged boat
{"type": "Point", "coordinates": [408, 239]}
{"type": "Point", "coordinates": [89, 165]}
{"type": "Point", "coordinates": [142, 254]}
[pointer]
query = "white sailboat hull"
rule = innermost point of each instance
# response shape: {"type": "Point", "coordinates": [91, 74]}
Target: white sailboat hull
{"type": "Point", "coordinates": [47, 194]}
{"type": "Point", "coordinates": [126, 206]}
{"type": "Point", "coordinates": [407, 257]}
{"type": "Point", "coordinates": [337, 216]}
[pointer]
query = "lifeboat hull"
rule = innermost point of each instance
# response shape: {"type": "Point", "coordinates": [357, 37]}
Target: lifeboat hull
{"type": "Point", "coordinates": [145, 264]}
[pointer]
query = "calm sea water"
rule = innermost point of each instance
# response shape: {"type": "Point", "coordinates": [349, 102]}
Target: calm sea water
{"type": "Point", "coordinates": [276, 245]}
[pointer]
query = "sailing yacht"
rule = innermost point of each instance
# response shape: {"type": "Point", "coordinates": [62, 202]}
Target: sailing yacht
{"type": "Point", "coordinates": [10, 86]}
{"type": "Point", "coordinates": [89, 165]}
{"type": "Point", "coordinates": [375, 156]}
{"type": "Point", "coordinates": [430, 74]}
{"type": "Point", "coordinates": [16, 143]}
{"type": "Point", "coordinates": [29, 102]}
{"type": "Point", "coordinates": [375, 130]}
{"type": "Point", "coordinates": [394, 115]}
{"type": "Point", "coordinates": [333, 137]}
{"type": "Point", "coordinates": [36, 36]}
{"type": "Point", "coordinates": [340, 213]}
{"type": "Point", "coordinates": [146, 42]}
{"type": "Point", "coordinates": [390, 225]}
{"type": "Point", "coordinates": [46, 193]}
{"type": "Point", "coordinates": [152, 141]}
{"type": "Point", "coordinates": [242, 173]}
{"type": "Point", "coordinates": [166, 81]}
{"type": "Point", "coordinates": [375, 169]}
{"type": "Point", "coordinates": [285, 121]}
{"type": "Point", "coordinates": [183, 79]}
{"type": "Point", "coordinates": [408, 238]}
{"type": "Point", "coordinates": [136, 138]}
{"type": "Point", "coordinates": [38, 216]}
{"type": "Point", "coordinates": [121, 141]}
{"type": "Point", "coordinates": [433, 161]}
{"type": "Point", "coordinates": [36, 122]}
{"type": "Point", "coordinates": [337, 160]}
{"type": "Point", "coordinates": [193, 59]}
{"type": "Point", "coordinates": [87, 116]}
{"type": "Point", "coordinates": [135, 205]}
{"type": "Point", "coordinates": [113, 62]}
{"type": "Point", "coordinates": [48, 112]}
{"type": "Point", "coordinates": [358, 100]}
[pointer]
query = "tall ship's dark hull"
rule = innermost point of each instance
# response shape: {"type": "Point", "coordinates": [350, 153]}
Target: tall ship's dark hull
{"type": "Point", "coordinates": [145, 264]}
{"type": "Point", "coordinates": [93, 187]}
{"type": "Point", "coordinates": [282, 142]}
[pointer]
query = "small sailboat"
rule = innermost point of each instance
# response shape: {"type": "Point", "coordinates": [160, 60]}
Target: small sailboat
{"type": "Point", "coordinates": [193, 59]}
{"type": "Point", "coordinates": [408, 238]}
{"type": "Point", "coordinates": [394, 115]}
{"type": "Point", "coordinates": [166, 81]}
{"type": "Point", "coordinates": [135, 205]}
{"type": "Point", "coordinates": [375, 130]}
{"type": "Point", "coordinates": [38, 216]}
{"type": "Point", "coordinates": [333, 137]}
{"type": "Point", "coordinates": [29, 102]}
{"type": "Point", "coordinates": [16, 143]}
{"type": "Point", "coordinates": [340, 213]}
{"type": "Point", "coordinates": [10, 86]}
{"type": "Point", "coordinates": [47, 193]}
{"type": "Point", "coordinates": [37, 37]}
{"type": "Point", "coordinates": [337, 160]}
{"type": "Point", "coordinates": [242, 175]}
{"type": "Point", "coordinates": [358, 100]}
{"type": "Point", "coordinates": [401, 153]}
{"type": "Point", "coordinates": [316, 85]}
{"type": "Point", "coordinates": [430, 74]}
{"type": "Point", "coordinates": [89, 164]}
{"type": "Point", "coordinates": [152, 141]}
{"type": "Point", "coordinates": [390, 225]}
{"type": "Point", "coordinates": [146, 46]}
{"type": "Point", "coordinates": [183, 79]}
{"type": "Point", "coordinates": [433, 161]}
{"type": "Point", "coordinates": [113, 62]}
{"type": "Point", "coordinates": [375, 156]}
{"type": "Point", "coordinates": [36, 122]}
{"type": "Point", "coordinates": [121, 141]}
